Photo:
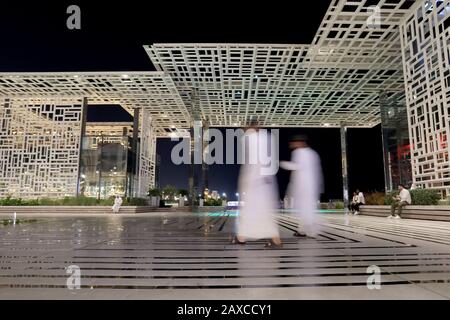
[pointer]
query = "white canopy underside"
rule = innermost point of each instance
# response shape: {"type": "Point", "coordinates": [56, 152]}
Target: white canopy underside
{"type": "Point", "coordinates": [333, 81]}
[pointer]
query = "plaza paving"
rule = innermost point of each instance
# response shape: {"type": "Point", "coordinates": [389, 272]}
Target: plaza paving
{"type": "Point", "coordinates": [188, 256]}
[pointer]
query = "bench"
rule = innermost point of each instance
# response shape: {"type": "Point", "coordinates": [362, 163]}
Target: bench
{"type": "Point", "coordinates": [438, 213]}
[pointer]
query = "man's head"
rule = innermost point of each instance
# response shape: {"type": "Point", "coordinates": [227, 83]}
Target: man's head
{"type": "Point", "coordinates": [298, 141]}
{"type": "Point", "coordinates": [357, 191]}
{"type": "Point", "coordinates": [401, 187]}
{"type": "Point", "coordinates": [253, 124]}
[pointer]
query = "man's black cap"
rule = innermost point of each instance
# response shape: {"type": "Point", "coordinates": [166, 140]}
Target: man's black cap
{"type": "Point", "coordinates": [299, 137]}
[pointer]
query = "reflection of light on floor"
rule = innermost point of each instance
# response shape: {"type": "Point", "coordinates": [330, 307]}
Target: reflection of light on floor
{"type": "Point", "coordinates": [231, 213]}
{"type": "Point", "coordinates": [318, 211]}
{"type": "Point", "coordinates": [235, 213]}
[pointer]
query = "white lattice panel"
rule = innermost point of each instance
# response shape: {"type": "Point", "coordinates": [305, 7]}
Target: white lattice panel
{"type": "Point", "coordinates": [39, 147]}
{"type": "Point", "coordinates": [335, 79]}
{"type": "Point", "coordinates": [147, 154]}
{"type": "Point", "coordinates": [151, 90]}
{"type": "Point", "coordinates": [361, 34]}
{"type": "Point", "coordinates": [425, 38]}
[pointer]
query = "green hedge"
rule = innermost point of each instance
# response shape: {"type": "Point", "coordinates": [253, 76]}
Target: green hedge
{"type": "Point", "coordinates": [339, 205]}
{"type": "Point", "coordinates": [71, 201]}
{"type": "Point", "coordinates": [212, 203]}
{"type": "Point", "coordinates": [425, 197]}
{"type": "Point", "coordinates": [135, 202]}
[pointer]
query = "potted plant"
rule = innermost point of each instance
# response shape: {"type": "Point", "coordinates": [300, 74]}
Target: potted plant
{"type": "Point", "coordinates": [155, 195]}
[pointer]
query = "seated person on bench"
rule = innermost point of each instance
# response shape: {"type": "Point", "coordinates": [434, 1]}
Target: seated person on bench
{"type": "Point", "coordinates": [400, 201]}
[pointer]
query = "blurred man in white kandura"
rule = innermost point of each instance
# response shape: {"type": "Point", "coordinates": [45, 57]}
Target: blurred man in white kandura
{"type": "Point", "coordinates": [258, 187]}
{"type": "Point", "coordinates": [306, 183]}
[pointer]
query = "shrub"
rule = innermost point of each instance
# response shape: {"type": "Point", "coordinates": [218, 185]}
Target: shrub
{"type": "Point", "coordinates": [33, 202]}
{"type": "Point", "coordinates": [135, 202]}
{"type": "Point", "coordinates": [212, 203]}
{"type": "Point", "coordinates": [8, 201]}
{"type": "Point", "coordinates": [71, 201]}
{"type": "Point", "coordinates": [425, 197]}
{"type": "Point", "coordinates": [169, 191]}
{"type": "Point", "coordinates": [339, 205]}
{"type": "Point", "coordinates": [79, 201]}
{"type": "Point", "coordinates": [155, 192]}
{"type": "Point", "coordinates": [106, 202]}
{"type": "Point", "coordinates": [375, 198]}
{"type": "Point", "coordinates": [390, 198]}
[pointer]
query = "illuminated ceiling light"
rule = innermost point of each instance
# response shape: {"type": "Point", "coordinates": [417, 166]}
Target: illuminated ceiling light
{"type": "Point", "coordinates": [125, 76]}
{"type": "Point", "coordinates": [326, 124]}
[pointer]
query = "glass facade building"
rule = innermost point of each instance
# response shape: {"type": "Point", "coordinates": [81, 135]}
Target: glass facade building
{"type": "Point", "coordinates": [107, 162]}
{"type": "Point", "coordinates": [396, 145]}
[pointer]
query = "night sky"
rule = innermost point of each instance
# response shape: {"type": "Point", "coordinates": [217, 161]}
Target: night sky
{"type": "Point", "coordinates": [35, 39]}
{"type": "Point", "coordinates": [365, 161]}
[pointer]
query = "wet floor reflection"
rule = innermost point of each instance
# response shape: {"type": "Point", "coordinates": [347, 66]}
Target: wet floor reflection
{"type": "Point", "coordinates": [192, 251]}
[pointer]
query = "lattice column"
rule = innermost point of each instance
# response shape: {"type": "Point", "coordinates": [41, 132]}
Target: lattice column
{"type": "Point", "coordinates": [147, 155]}
{"type": "Point", "coordinates": [84, 112]}
{"type": "Point", "coordinates": [196, 144]}
{"type": "Point", "coordinates": [344, 165]}
{"type": "Point", "coordinates": [425, 41]}
{"type": "Point", "coordinates": [39, 147]}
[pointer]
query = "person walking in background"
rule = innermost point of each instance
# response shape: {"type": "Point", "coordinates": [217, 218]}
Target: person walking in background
{"type": "Point", "coordinates": [306, 183]}
{"type": "Point", "coordinates": [403, 199]}
{"type": "Point", "coordinates": [259, 192]}
{"type": "Point", "coordinates": [117, 203]}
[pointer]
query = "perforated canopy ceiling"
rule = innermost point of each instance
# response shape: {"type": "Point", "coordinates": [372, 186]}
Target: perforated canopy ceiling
{"type": "Point", "coordinates": [335, 80]}
{"type": "Point", "coordinates": [154, 91]}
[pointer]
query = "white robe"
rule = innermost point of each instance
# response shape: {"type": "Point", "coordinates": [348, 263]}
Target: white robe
{"type": "Point", "coordinates": [259, 196]}
{"type": "Point", "coordinates": [305, 186]}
